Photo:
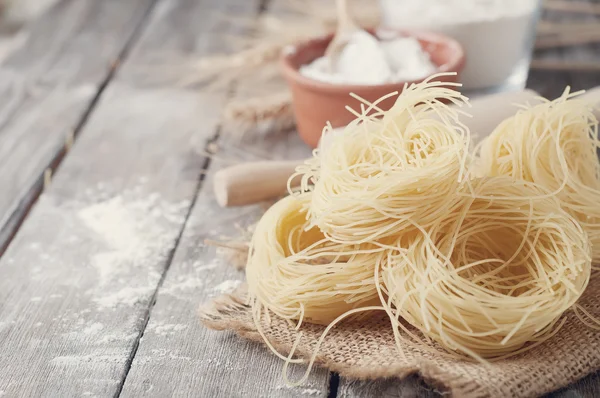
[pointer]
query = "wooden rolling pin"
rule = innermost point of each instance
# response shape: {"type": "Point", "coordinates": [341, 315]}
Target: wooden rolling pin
{"type": "Point", "coordinates": [254, 182]}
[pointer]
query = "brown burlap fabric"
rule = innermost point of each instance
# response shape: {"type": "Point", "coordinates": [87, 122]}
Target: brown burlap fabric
{"type": "Point", "coordinates": [365, 349]}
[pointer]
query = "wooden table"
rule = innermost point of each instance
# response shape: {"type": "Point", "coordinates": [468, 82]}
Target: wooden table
{"type": "Point", "coordinates": [105, 263]}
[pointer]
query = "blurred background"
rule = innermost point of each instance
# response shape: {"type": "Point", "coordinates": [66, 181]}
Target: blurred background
{"type": "Point", "coordinates": [509, 44]}
{"type": "Point", "coordinates": [57, 56]}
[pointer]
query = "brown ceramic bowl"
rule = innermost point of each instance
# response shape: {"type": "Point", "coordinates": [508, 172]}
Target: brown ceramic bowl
{"type": "Point", "coordinates": [316, 102]}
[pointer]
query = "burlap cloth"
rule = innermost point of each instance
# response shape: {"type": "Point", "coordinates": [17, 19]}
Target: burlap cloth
{"type": "Point", "coordinates": [365, 349]}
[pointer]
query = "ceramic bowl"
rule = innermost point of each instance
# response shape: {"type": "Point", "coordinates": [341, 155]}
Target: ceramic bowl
{"type": "Point", "coordinates": [316, 103]}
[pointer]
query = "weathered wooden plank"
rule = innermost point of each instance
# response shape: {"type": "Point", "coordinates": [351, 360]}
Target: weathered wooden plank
{"type": "Point", "coordinates": [169, 51]}
{"type": "Point", "coordinates": [75, 41]}
{"type": "Point", "coordinates": [80, 275]}
{"type": "Point", "coordinates": [549, 84]}
{"type": "Point", "coordinates": [180, 357]}
{"type": "Point", "coordinates": [82, 272]}
{"type": "Point", "coordinates": [585, 53]}
{"type": "Point", "coordinates": [588, 387]}
{"type": "Point", "coordinates": [51, 71]}
{"type": "Point", "coordinates": [411, 387]}
{"type": "Point", "coordinates": [177, 355]}
{"type": "Point", "coordinates": [19, 12]}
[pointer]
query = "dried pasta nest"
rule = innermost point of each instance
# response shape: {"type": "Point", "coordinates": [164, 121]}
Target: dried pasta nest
{"type": "Point", "coordinates": [494, 277]}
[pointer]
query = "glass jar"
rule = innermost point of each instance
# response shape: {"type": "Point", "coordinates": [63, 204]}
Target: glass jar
{"type": "Point", "coordinates": [497, 35]}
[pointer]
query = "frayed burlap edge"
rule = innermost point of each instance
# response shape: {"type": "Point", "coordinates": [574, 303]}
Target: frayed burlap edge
{"type": "Point", "coordinates": [230, 312]}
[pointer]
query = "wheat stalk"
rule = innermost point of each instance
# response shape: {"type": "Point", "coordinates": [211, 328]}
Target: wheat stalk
{"type": "Point", "coordinates": [272, 112]}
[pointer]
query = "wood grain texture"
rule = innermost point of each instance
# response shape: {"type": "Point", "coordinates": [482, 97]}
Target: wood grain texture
{"type": "Point", "coordinates": [588, 387]}
{"type": "Point", "coordinates": [75, 41]}
{"type": "Point", "coordinates": [80, 275]}
{"type": "Point", "coordinates": [412, 387]}
{"type": "Point", "coordinates": [589, 53]}
{"type": "Point", "coordinates": [552, 83]}
{"type": "Point", "coordinates": [549, 84]}
{"type": "Point", "coordinates": [183, 31]}
{"type": "Point", "coordinates": [177, 356]}
{"type": "Point", "coordinates": [51, 70]}
{"type": "Point", "coordinates": [82, 272]}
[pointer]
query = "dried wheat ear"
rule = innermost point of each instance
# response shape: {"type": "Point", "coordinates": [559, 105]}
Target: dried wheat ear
{"type": "Point", "coordinates": [260, 114]}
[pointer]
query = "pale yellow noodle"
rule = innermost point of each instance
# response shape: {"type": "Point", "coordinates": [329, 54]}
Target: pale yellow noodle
{"type": "Point", "coordinates": [493, 276]}
{"type": "Point", "coordinates": [390, 169]}
{"type": "Point", "coordinates": [299, 275]}
{"type": "Point", "coordinates": [388, 218]}
{"type": "Point", "coordinates": [553, 144]}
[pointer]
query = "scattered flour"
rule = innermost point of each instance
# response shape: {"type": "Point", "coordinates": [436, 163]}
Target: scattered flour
{"type": "Point", "coordinates": [201, 266]}
{"type": "Point", "coordinates": [305, 391]}
{"type": "Point", "coordinates": [133, 230]}
{"type": "Point", "coordinates": [185, 287]}
{"type": "Point", "coordinates": [93, 328]}
{"type": "Point", "coordinates": [76, 360]}
{"type": "Point", "coordinates": [185, 282]}
{"type": "Point", "coordinates": [227, 286]}
{"type": "Point", "coordinates": [164, 353]}
{"type": "Point", "coordinates": [160, 352]}
{"type": "Point", "coordinates": [127, 296]}
{"type": "Point", "coordinates": [167, 329]}
{"type": "Point", "coordinates": [310, 391]}
{"type": "Point", "coordinates": [366, 60]}
{"type": "Point", "coordinates": [136, 230]}
{"type": "Point", "coordinates": [182, 286]}
{"type": "Point", "coordinates": [112, 338]}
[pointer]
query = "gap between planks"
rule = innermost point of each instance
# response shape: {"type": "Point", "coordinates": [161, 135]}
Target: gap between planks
{"type": "Point", "coordinates": [201, 178]}
{"type": "Point", "coordinates": [262, 7]}
{"type": "Point", "coordinates": [169, 261]}
{"type": "Point", "coordinates": [29, 199]}
{"type": "Point", "coordinates": [106, 137]}
{"type": "Point", "coordinates": [141, 377]}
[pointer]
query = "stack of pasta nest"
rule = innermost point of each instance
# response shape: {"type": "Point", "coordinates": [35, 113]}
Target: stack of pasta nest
{"type": "Point", "coordinates": [482, 250]}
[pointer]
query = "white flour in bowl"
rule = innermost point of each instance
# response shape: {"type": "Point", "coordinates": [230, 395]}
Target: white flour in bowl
{"type": "Point", "coordinates": [496, 34]}
{"type": "Point", "coordinates": [367, 61]}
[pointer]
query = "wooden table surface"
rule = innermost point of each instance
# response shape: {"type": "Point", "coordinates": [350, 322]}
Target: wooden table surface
{"type": "Point", "coordinates": [105, 262]}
